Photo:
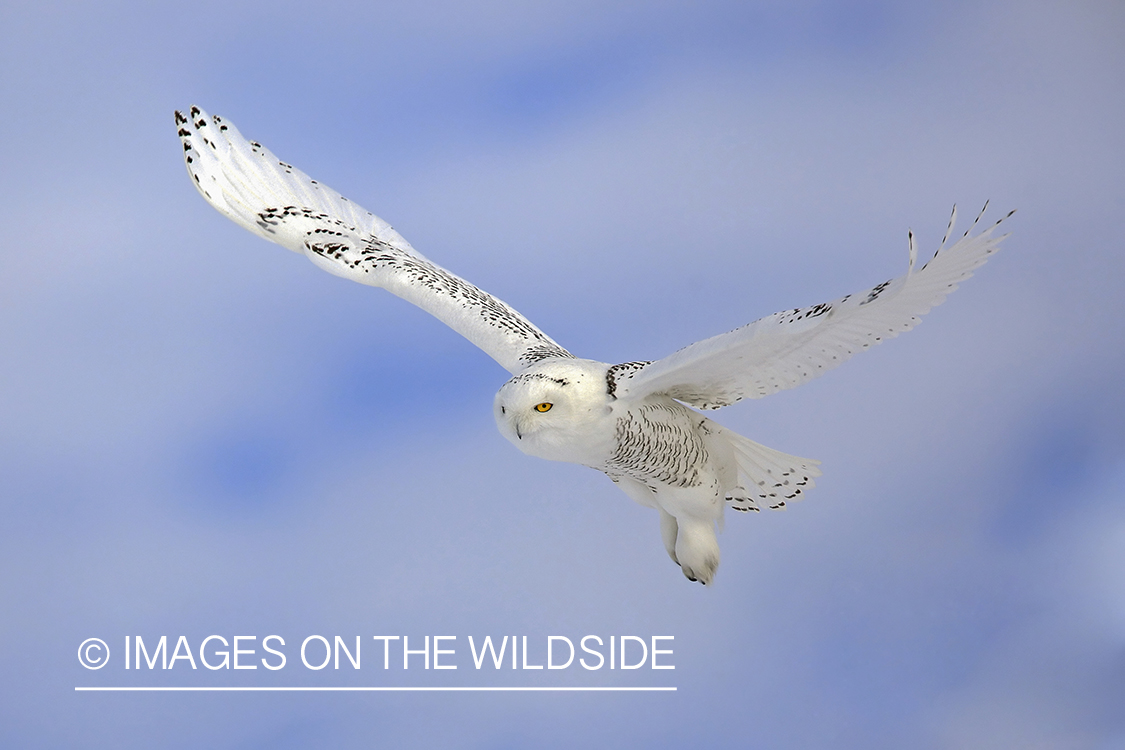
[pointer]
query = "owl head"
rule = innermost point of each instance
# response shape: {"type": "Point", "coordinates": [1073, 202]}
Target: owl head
{"type": "Point", "coordinates": [553, 408]}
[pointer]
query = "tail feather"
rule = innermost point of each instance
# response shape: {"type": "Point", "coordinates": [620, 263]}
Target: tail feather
{"type": "Point", "coordinates": [768, 477]}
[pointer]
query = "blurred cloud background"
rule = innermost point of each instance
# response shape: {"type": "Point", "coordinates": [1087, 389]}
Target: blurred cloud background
{"type": "Point", "coordinates": [201, 433]}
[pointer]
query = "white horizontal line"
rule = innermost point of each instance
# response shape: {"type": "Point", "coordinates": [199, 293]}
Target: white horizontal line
{"type": "Point", "coordinates": [380, 689]}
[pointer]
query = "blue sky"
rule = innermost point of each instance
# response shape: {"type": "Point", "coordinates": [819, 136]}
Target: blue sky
{"type": "Point", "coordinates": [203, 434]}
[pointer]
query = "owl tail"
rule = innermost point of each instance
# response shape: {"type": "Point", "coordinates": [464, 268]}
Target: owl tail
{"type": "Point", "coordinates": [767, 477]}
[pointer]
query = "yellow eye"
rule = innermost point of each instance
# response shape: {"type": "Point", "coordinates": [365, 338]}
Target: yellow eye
{"type": "Point", "coordinates": [543, 407]}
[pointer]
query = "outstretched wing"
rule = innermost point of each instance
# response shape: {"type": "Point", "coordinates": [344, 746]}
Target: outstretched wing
{"type": "Point", "coordinates": [279, 202]}
{"type": "Point", "coordinates": [792, 347]}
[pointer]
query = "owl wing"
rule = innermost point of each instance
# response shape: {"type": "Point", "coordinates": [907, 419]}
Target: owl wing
{"type": "Point", "coordinates": [792, 347]}
{"type": "Point", "coordinates": [249, 185]}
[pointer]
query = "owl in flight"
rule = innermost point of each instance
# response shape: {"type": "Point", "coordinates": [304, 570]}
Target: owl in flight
{"type": "Point", "coordinates": [631, 420]}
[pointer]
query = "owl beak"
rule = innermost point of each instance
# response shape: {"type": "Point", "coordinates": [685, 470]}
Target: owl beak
{"type": "Point", "coordinates": [518, 433]}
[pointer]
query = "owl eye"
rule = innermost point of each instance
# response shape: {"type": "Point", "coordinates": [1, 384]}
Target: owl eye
{"type": "Point", "coordinates": [543, 407]}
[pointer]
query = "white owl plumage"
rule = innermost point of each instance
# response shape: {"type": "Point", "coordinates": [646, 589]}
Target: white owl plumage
{"type": "Point", "coordinates": [630, 420]}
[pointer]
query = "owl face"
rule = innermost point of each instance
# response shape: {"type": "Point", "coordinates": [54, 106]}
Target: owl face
{"type": "Point", "coordinates": [552, 409]}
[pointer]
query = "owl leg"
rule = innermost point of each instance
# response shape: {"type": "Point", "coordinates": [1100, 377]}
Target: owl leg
{"type": "Point", "coordinates": [668, 532]}
{"type": "Point", "coordinates": [687, 524]}
{"type": "Point", "coordinates": [697, 548]}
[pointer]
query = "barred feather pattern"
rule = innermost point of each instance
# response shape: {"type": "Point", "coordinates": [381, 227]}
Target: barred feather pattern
{"type": "Point", "coordinates": [791, 347]}
{"type": "Point", "coordinates": [273, 199]}
{"type": "Point", "coordinates": [658, 443]}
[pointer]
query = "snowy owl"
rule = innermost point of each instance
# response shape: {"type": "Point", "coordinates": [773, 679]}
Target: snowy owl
{"type": "Point", "coordinates": [632, 420]}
